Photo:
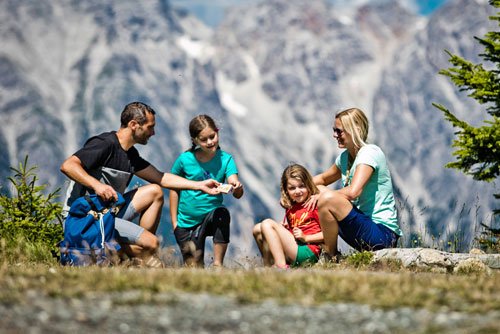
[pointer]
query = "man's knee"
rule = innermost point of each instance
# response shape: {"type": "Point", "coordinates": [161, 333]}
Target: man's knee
{"type": "Point", "coordinates": [149, 242]}
{"type": "Point", "coordinates": [151, 193]}
{"type": "Point", "coordinates": [156, 192]}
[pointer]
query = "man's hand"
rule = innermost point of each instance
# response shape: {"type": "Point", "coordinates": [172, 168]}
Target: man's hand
{"type": "Point", "coordinates": [106, 192]}
{"type": "Point", "coordinates": [209, 187]}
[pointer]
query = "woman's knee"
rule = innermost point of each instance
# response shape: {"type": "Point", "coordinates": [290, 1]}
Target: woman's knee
{"type": "Point", "coordinates": [330, 199]}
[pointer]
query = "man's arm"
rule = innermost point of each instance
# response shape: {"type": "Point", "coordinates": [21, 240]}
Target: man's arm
{"type": "Point", "coordinates": [172, 181]}
{"type": "Point", "coordinates": [73, 168]}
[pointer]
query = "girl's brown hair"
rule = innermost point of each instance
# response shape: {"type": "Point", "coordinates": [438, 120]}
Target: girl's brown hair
{"type": "Point", "coordinates": [198, 124]}
{"type": "Point", "coordinates": [298, 172]}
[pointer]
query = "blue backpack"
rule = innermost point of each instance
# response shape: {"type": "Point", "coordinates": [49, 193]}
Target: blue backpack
{"type": "Point", "coordinates": [89, 232]}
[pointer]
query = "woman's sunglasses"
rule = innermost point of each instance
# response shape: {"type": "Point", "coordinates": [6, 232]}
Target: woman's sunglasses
{"type": "Point", "coordinates": [338, 132]}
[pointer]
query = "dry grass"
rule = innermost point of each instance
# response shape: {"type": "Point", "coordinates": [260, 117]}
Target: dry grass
{"type": "Point", "coordinates": [472, 293]}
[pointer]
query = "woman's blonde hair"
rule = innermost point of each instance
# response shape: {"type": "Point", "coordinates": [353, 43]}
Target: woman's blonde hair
{"type": "Point", "coordinates": [298, 172]}
{"type": "Point", "coordinates": [356, 124]}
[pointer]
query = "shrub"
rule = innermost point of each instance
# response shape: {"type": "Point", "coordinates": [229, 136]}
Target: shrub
{"type": "Point", "coordinates": [29, 220]}
{"type": "Point", "coordinates": [360, 259]}
{"type": "Point", "coordinates": [489, 239]}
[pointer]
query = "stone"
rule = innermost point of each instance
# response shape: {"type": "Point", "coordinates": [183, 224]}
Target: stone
{"type": "Point", "coordinates": [427, 258]}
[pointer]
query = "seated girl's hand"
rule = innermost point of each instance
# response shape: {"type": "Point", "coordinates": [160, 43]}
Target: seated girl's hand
{"type": "Point", "coordinates": [312, 202]}
{"type": "Point", "coordinates": [298, 234]}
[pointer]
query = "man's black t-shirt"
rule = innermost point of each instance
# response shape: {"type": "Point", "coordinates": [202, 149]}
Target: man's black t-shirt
{"type": "Point", "coordinates": [103, 157]}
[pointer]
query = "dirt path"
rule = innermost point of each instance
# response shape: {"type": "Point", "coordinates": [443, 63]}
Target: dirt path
{"type": "Point", "coordinates": [132, 312]}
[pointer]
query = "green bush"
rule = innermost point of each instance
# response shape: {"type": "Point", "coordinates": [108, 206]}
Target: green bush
{"type": "Point", "coordinates": [360, 259]}
{"type": "Point", "coordinates": [29, 220]}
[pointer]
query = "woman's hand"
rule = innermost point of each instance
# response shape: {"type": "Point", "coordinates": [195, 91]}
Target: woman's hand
{"type": "Point", "coordinates": [312, 202]}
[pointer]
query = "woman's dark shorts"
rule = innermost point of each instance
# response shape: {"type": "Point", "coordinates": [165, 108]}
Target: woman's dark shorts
{"type": "Point", "coordinates": [362, 233]}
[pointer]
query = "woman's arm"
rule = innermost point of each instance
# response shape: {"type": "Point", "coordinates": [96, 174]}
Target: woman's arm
{"type": "Point", "coordinates": [237, 186]}
{"type": "Point", "coordinates": [359, 180]}
{"type": "Point", "coordinates": [174, 204]}
{"type": "Point", "coordinates": [329, 176]}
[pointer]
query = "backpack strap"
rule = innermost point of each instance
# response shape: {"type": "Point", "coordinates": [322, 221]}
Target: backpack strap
{"type": "Point", "coordinates": [97, 215]}
{"type": "Point", "coordinates": [92, 204]}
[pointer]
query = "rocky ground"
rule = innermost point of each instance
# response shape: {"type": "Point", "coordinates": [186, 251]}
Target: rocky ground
{"type": "Point", "coordinates": [201, 313]}
{"type": "Point", "coordinates": [132, 312]}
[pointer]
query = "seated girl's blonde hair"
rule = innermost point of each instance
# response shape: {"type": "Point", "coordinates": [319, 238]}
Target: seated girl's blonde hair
{"type": "Point", "coordinates": [298, 172]}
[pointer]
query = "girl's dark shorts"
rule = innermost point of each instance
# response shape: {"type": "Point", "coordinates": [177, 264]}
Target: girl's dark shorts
{"type": "Point", "coordinates": [215, 223]}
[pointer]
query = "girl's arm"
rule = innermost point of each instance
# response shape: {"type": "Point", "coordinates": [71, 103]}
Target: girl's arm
{"type": "Point", "coordinates": [315, 238]}
{"type": "Point", "coordinates": [237, 186]}
{"type": "Point", "coordinates": [174, 204]}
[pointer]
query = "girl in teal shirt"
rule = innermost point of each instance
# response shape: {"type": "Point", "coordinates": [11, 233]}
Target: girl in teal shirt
{"type": "Point", "coordinates": [196, 215]}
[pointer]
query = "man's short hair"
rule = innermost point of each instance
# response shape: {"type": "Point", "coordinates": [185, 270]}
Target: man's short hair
{"type": "Point", "coordinates": [135, 111]}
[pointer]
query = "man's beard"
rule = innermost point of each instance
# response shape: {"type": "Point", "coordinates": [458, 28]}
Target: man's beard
{"type": "Point", "coordinates": [143, 140]}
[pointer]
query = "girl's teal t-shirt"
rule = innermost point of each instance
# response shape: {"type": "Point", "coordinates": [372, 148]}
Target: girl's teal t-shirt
{"type": "Point", "coordinates": [194, 205]}
{"type": "Point", "coordinates": [377, 198]}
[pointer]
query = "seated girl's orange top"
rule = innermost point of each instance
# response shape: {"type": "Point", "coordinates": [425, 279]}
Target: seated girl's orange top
{"type": "Point", "coordinates": [306, 220]}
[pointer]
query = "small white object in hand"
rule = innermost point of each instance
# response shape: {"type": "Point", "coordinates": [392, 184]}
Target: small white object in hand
{"type": "Point", "coordinates": [225, 188]}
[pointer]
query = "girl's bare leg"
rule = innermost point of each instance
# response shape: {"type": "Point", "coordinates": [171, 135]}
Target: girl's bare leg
{"type": "Point", "coordinates": [267, 257]}
{"type": "Point", "coordinates": [282, 244]}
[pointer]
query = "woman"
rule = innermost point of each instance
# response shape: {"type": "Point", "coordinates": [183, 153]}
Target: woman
{"type": "Point", "coordinates": [363, 211]}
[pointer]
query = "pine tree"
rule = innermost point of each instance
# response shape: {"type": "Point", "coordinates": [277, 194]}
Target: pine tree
{"type": "Point", "coordinates": [478, 148]}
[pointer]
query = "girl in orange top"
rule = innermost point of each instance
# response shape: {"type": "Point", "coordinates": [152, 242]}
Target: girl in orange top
{"type": "Point", "coordinates": [296, 241]}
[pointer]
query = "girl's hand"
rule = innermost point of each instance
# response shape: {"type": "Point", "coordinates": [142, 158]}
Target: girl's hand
{"type": "Point", "coordinates": [236, 185]}
{"type": "Point", "coordinates": [237, 188]}
{"type": "Point", "coordinates": [312, 202]}
{"type": "Point", "coordinates": [298, 234]}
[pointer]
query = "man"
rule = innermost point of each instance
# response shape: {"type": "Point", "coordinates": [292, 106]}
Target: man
{"type": "Point", "coordinates": [105, 165]}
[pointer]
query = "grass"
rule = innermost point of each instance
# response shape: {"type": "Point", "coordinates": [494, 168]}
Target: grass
{"type": "Point", "coordinates": [311, 286]}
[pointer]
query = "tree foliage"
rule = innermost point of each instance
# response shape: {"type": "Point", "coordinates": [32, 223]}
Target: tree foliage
{"type": "Point", "coordinates": [28, 214]}
{"type": "Point", "coordinates": [478, 148]}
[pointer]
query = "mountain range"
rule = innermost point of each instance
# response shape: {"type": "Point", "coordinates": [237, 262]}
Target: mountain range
{"type": "Point", "coordinates": [272, 74]}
